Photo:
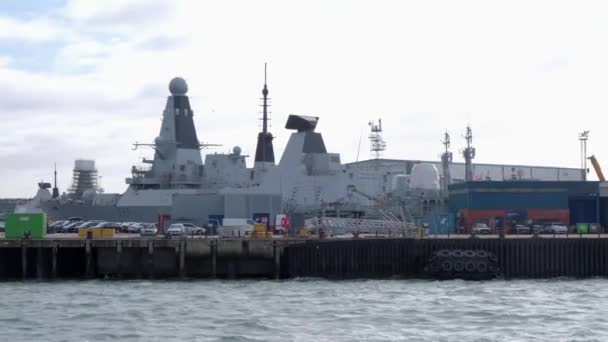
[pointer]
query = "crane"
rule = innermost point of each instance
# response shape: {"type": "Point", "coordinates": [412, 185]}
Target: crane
{"type": "Point", "coordinates": [598, 169]}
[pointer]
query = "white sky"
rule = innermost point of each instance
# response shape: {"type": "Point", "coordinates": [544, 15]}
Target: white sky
{"type": "Point", "coordinates": [86, 79]}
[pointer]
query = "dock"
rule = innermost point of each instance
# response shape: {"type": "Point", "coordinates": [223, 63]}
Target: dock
{"type": "Point", "coordinates": [158, 258]}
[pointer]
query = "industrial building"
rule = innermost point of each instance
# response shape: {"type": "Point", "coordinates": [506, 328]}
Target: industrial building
{"type": "Point", "coordinates": [504, 204]}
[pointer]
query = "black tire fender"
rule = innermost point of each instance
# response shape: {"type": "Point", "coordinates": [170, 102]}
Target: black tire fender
{"type": "Point", "coordinates": [481, 253]}
{"type": "Point", "coordinates": [444, 253]}
{"type": "Point", "coordinates": [458, 266]}
{"type": "Point", "coordinates": [481, 266]}
{"type": "Point", "coordinates": [492, 257]}
{"type": "Point", "coordinates": [447, 266]}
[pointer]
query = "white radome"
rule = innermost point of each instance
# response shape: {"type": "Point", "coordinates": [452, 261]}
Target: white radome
{"type": "Point", "coordinates": [424, 176]}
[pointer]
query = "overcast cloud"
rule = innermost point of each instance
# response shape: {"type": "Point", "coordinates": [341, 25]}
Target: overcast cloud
{"type": "Point", "coordinates": [86, 79]}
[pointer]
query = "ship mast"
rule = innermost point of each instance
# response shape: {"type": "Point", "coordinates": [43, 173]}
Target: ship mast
{"type": "Point", "coordinates": [264, 153]}
{"type": "Point", "coordinates": [446, 160]}
{"type": "Point", "coordinates": [469, 154]}
{"type": "Point", "coordinates": [265, 105]}
{"type": "Point", "coordinates": [55, 188]}
{"type": "Point", "coordinates": [377, 144]}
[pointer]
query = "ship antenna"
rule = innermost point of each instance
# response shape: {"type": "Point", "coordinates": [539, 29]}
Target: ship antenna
{"type": "Point", "coordinates": [264, 152]}
{"type": "Point", "coordinates": [265, 105]}
{"type": "Point", "coordinates": [377, 144]}
{"type": "Point", "coordinates": [446, 160]}
{"type": "Point", "coordinates": [469, 154]}
{"type": "Point", "coordinates": [55, 188]}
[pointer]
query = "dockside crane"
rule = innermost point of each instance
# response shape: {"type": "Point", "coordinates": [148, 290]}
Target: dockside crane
{"type": "Point", "coordinates": [597, 168]}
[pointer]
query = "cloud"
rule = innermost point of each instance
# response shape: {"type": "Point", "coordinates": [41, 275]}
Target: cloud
{"type": "Point", "coordinates": [38, 29]}
{"type": "Point", "coordinates": [5, 61]}
{"type": "Point", "coordinates": [118, 15]}
{"type": "Point", "coordinates": [527, 77]}
{"type": "Point", "coordinates": [162, 42]}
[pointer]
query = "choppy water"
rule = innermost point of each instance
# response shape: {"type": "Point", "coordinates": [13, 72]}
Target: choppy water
{"type": "Point", "coordinates": [305, 310]}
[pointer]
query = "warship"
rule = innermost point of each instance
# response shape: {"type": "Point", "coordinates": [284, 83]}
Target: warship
{"type": "Point", "coordinates": [177, 184]}
{"type": "Point", "coordinates": [307, 181]}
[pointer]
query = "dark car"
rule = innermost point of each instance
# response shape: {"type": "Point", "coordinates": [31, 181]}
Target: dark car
{"type": "Point", "coordinates": [69, 228]}
{"type": "Point", "coordinates": [108, 225]}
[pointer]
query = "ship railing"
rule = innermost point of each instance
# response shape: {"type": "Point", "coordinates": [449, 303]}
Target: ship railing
{"type": "Point", "coordinates": [339, 225]}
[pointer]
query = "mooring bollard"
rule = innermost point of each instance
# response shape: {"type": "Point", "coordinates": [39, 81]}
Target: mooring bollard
{"type": "Point", "coordinates": [277, 260]}
{"type": "Point", "coordinates": [89, 257]}
{"type": "Point", "coordinates": [54, 266]}
{"type": "Point", "coordinates": [118, 258]}
{"type": "Point", "coordinates": [23, 259]}
{"type": "Point", "coordinates": [213, 247]}
{"type": "Point", "coordinates": [39, 264]}
{"type": "Point", "coordinates": [182, 258]}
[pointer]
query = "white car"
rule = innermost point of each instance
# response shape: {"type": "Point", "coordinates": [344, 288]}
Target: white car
{"type": "Point", "coordinates": [148, 230]}
{"type": "Point", "coordinates": [135, 228]}
{"type": "Point", "coordinates": [176, 230]}
{"type": "Point", "coordinates": [187, 229]}
{"type": "Point", "coordinates": [558, 228]}
{"type": "Point", "coordinates": [481, 228]}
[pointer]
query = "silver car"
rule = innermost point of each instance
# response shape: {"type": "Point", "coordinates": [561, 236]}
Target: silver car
{"type": "Point", "coordinates": [558, 228]}
{"type": "Point", "coordinates": [176, 230]}
{"type": "Point", "coordinates": [481, 228]}
{"type": "Point", "coordinates": [148, 230]}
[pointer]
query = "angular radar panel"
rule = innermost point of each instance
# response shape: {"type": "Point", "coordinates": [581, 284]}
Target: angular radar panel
{"type": "Point", "coordinates": [302, 123]}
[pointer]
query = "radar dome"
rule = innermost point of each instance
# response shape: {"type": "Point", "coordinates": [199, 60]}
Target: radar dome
{"type": "Point", "coordinates": [424, 176]}
{"type": "Point", "coordinates": [178, 86]}
{"type": "Point", "coordinates": [236, 150]}
{"type": "Point", "coordinates": [89, 195]}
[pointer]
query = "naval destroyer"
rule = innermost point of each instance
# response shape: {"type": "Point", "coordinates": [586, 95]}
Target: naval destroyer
{"type": "Point", "coordinates": [177, 183]}
{"type": "Point", "coordinates": [307, 181]}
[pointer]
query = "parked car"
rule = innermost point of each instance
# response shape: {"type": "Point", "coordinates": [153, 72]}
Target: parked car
{"type": "Point", "coordinates": [555, 228]}
{"type": "Point", "coordinates": [135, 228]}
{"type": "Point", "coordinates": [481, 228]}
{"type": "Point", "coordinates": [538, 228]}
{"type": "Point", "coordinates": [148, 230]}
{"type": "Point", "coordinates": [189, 228]}
{"type": "Point", "coordinates": [87, 224]}
{"type": "Point", "coordinates": [124, 227]}
{"type": "Point", "coordinates": [108, 225]}
{"type": "Point", "coordinates": [522, 229]}
{"type": "Point", "coordinates": [70, 227]}
{"type": "Point", "coordinates": [54, 227]}
{"type": "Point", "coordinates": [176, 230]}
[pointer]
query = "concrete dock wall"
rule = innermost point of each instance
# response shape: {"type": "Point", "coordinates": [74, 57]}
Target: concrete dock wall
{"type": "Point", "coordinates": [516, 258]}
{"type": "Point", "coordinates": [288, 258]}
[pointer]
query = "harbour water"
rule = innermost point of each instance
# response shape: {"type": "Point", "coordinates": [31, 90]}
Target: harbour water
{"type": "Point", "coordinates": [305, 310]}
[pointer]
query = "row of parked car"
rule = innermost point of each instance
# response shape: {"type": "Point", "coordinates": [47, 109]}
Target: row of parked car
{"type": "Point", "coordinates": [548, 228]}
{"type": "Point", "coordinates": [73, 224]}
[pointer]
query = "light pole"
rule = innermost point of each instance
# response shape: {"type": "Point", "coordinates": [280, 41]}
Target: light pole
{"type": "Point", "coordinates": [583, 137]}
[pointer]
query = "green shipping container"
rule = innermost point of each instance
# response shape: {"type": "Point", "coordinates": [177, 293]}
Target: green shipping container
{"type": "Point", "coordinates": [18, 225]}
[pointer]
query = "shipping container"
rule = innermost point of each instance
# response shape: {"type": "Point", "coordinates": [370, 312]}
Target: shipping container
{"type": "Point", "coordinates": [22, 225]}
